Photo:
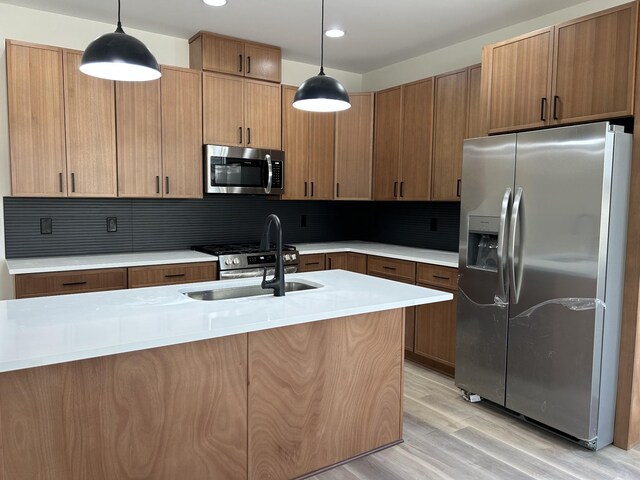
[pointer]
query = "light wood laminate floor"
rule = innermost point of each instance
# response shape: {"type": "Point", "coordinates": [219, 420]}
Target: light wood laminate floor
{"type": "Point", "coordinates": [448, 438]}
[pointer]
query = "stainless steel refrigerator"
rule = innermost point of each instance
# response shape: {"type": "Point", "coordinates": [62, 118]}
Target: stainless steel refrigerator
{"type": "Point", "coordinates": [542, 247]}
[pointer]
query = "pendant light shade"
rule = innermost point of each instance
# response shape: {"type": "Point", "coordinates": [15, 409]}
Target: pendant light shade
{"type": "Point", "coordinates": [321, 93]}
{"type": "Point", "coordinates": [118, 56]}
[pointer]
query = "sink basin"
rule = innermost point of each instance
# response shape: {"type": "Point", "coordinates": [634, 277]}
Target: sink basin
{"type": "Point", "coordinates": [248, 291]}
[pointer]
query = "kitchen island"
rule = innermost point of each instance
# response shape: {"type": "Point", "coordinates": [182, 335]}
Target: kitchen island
{"type": "Point", "coordinates": [150, 383]}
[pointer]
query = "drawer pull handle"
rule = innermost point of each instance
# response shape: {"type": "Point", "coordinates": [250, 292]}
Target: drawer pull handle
{"type": "Point", "coordinates": [388, 268]}
{"type": "Point", "coordinates": [174, 275]}
{"type": "Point", "coordinates": [440, 277]}
{"type": "Point", "coordinates": [312, 263]}
{"type": "Point", "coordinates": [73, 284]}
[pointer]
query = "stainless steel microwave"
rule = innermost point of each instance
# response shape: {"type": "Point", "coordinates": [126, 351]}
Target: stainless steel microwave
{"type": "Point", "coordinates": [243, 170]}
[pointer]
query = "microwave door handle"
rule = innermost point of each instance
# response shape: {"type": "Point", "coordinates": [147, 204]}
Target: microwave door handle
{"type": "Point", "coordinates": [502, 241]}
{"type": "Point", "coordinates": [269, 174]}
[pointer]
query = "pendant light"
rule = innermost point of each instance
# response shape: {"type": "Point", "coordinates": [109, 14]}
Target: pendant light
{"type": "Point", "coordinates": [321, 93]}
{"type": "Point", "coordinates": [118, 56]}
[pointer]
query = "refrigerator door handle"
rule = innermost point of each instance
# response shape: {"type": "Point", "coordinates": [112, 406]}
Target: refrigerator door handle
{"type": "Point", "coordinates": [502, 284]}
{"type": "Point", "coordinates": [515, 282]}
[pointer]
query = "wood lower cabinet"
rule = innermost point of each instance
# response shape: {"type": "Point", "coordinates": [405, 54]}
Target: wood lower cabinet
{"type": "Point", "coordinates": [391, 268]}
{"type": "Point", "coordinates": [352, 262]}
{"type": "Point", "coordinates": [171, 274]}
{"type": "Point", "coordinates": [435, 334]}
{"type": "Point", "coordinates": [311, 262]}
{"type": "Point", "coordinates": [354, 149]}
{"type": "Point", "coordinates": [308, 142]}
{"type": "Point", "coordinates": [90, 121]}
{"type": "Point", "coordinates": [35, 95]}
{"type": "Point", "coordinates": [77, 281]}
{"type": "Point", "coordinates": [409, 328]}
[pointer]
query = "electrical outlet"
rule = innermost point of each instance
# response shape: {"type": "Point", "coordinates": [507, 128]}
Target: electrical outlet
{"type": "Point", "coordinates": [433, 225]}
{"type": "Point", "coordinates": [46, 226]}
{"type": "Point", "coordinates": [112, 224]}
{"type": "Point", "coordinates": [303, 220]}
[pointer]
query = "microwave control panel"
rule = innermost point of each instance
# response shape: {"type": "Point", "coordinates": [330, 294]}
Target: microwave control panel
{"type": "Point", "coordinates": [276, 180]}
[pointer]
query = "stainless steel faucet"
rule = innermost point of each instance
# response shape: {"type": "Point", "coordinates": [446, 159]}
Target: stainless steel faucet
{"type": "Point", "coordinates": [277, 282]}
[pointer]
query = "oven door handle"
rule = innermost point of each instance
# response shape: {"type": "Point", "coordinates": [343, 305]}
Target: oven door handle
{"type": "Point", "coordinates": [269, 174]}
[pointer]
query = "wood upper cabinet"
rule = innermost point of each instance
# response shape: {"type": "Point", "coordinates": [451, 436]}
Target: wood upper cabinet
{"type": "Point", "coordinates": [181, 101]}
{"type": "Point", "coordinates": [240, 112]}
{"type": "Point", "coordinates": [90, 131]}
{"type": "Point", "coordinates": [217, 53]}
{"type": "Point", "coordinates": [581, 70]}
{"type": "Point", "coordinates": [308, 143]}
{"type": "Point", "coordinates": [594, 66]}
{"type": "Point", "coordinates": [450, 124]}
{"type": "Point", "coordinates": [139, 139]}
{"type": "Point", "coordinates": [387, 138]}
{"type": "Point", "coordinates": [476, 113]}
{"type": "Point", "coordinates": [36, 120]}
{"type": "Point", "coordinates": [354, 149]}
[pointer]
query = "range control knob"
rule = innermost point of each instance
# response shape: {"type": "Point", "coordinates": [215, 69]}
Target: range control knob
{"type": "Point", "coordinates": [236, 261]}
{"type": "Point", "coordinates": [227, 261]}
{"type": "Point", "coordinates": [287, 257]}
{"type": "Point", "coordinates": [293, 256]}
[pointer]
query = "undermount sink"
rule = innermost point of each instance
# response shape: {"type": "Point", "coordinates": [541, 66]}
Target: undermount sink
{"type": "Point", "coordinates": [248, 291]}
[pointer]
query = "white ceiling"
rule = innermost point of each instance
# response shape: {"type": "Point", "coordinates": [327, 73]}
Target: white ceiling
{"type": "Point", "coordinates": [379, 33]}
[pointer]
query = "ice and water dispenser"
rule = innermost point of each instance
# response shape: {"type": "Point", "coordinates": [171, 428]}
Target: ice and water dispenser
{"type": "Point", "coordinates": [482, 244]}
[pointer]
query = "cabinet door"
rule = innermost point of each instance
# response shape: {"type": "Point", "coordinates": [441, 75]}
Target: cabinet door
{"type": "Point", "coordinates": [90, 121]}
{"type": "Point", "coordinates": [336, 261]}
{"type": "Point", "coordinates": [222, 54]}
{"type": "Point", "coordinates": [409, 328]}
{"type": "Point", "coordinates": [476, 124]}
{"type": "Point", "coordinates": [594, 66]}
{"type": "Point", "coordinates": [519, 97]}
{"type": "Point", "coordinates": [262, 62]}
{"type": "Point", "coordinates": [417, 130]}
{"type": "Point", "coordinates": [312, 262]}
{"type": "Point", "coordinates": [321, 149]}
{"type": "Point", "coordinates": [295, 143]}
{"type": "Point", "coordinates": [262, 118]}
{"type": "Point", "coordinates": [354, 145]}
{"type": "Point", "coordinates": [449, 131]}
{"type": "Point", "coordinates": [36, 120]}
{"type": "Point", "coordinates": [181, 99]}
{"type": "Point", "coordinates": [357, 262]}
{"type": "Point", "coordinates": [435, 333]}
{"type": "Point", "coordinates": [387, 138]}
{"type": "Point", "coordinates": [222, 103]}
{"type": "Point", "coordinates": [139, 139]}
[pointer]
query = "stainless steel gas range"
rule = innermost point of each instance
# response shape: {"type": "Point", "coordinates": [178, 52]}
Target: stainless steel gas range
{"type": "Point", "coordinates": [249, 260]}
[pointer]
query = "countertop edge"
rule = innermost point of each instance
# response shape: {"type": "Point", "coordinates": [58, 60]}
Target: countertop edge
{"type": "Point", "coordinates": [365, 251]}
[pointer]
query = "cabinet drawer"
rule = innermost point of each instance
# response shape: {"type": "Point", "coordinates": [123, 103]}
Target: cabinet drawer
{"type": "Point", "coordinates": [311, 263]}
{"type": "Point", "coordinates": [400, 270]}
{"type": "Point", "coordinates": [436, 276]}
{"type": "Point", "coordinates": [77, 281]}
{"type": "Point", "coordinates": [171, 274]}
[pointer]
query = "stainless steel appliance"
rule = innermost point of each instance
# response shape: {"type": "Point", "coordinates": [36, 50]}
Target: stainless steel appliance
{"type": "Point", "coordinates": [542, 247]}
{"type": "Point", "coordinates": [243, 170]}
{"type": "Point", "coordinates": [250, 260]}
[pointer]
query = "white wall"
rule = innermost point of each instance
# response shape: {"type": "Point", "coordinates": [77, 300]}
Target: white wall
{"type": "Point", "coordinates": [469, 52]}
{"type": "Point", "coordinates": [294, 73]}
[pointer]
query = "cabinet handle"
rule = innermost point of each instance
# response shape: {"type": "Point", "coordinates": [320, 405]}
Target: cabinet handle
{"type": "Point", "coordinates": [73, 182]}
{"type": "Point", "coordinates": [73, 284]}
{"type": "Point", "coordinates": [458, 187]}
{"type": "Point", "coordinates": [240, 62]}
{"type": "Point", "coordinates": [248, 136]}
{"type": "Point", "coordinates": [401, 189]}
{"type": "Point", "coordinates": [329, 267]}
{"type": "Point", "coordinates": [543, 108]}
{"type": "Point", "coordinates": [555, 107]}
{"type": "Point", "coordinates": [166, 184]}
{"type": "Point", "coordinates": [174, 275]}
{"type": "Point", "coordinates": [158, 184]}
{"type": "Point", "coordinates": [389, 268]}
{"type": "Point", "coordinates": [312, 189]}
{"type": "Point", "coordinates": [60, 179]}
{"type": "Point", "coordinates": [337, 190]}
{"type": "Point", "coordinates": [249, 64]}
{"type": "Point", "coordinates": [395, 189]}
{"type": "Point", "coordinates": [240, 131]}
{"type": "Point", "coordinates": [312, 263]}
{"type": "Point", "coordinates": [440, 277]}
{"type": "Point", "coordinates": [305, 189]}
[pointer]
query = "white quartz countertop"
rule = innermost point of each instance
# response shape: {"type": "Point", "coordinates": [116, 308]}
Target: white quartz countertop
{"type": "Point", "coordinates": [421, 255]}
{"type": "Point", "coordinates": [49, 330]}
{"type": "Point", "coordinates": [110, 260]}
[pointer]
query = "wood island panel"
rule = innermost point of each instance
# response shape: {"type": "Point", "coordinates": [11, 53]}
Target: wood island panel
{"type": "Point", "coordinates": [323, 392]}
{"type": "Point", "coordinates": [164, 413]}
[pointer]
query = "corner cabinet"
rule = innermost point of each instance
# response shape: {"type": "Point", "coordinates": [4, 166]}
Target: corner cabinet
{"type": "Point", "coordinates": [354, 149]}
{"type": "Point", "coordinates": [241, 112]}
{"type": "Point", "coordinates": [581, 70]}
{"type": "Point", "coordinates": [308, 142]}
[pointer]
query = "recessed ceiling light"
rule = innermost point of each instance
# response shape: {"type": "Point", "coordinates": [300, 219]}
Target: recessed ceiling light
{"type": "Point", "coordinates": [215, 3]}
{"type": "Point", "coordinates": [334, 33]}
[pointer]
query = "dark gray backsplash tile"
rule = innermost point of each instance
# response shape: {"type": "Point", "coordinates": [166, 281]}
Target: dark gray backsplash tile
{"type": "Point", "coordinates": [79, 225]}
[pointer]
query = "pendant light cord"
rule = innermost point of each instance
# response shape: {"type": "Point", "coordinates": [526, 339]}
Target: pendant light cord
{"type": "Point", "coordinates": [119, 26]}
{"type": "Point", "coordinates": [321, 41]}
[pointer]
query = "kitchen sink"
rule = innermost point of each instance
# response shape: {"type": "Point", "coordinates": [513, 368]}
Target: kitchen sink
{"type": "Point", "coordinates": [248, 291]}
